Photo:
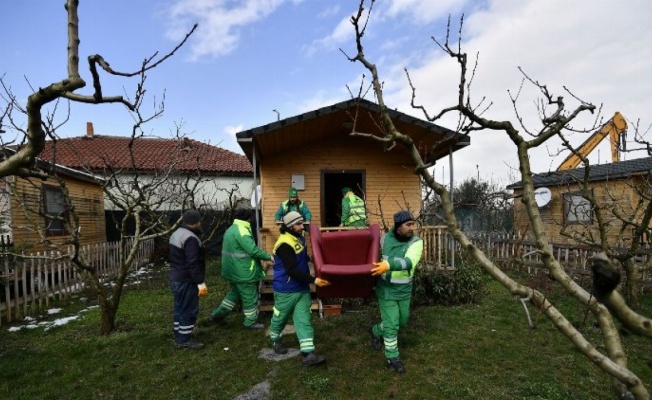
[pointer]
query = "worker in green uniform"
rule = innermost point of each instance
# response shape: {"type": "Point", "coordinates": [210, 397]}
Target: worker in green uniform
{"type": "Point", "coordinates": [242, 268]}
{"type": "Point", "coordinates": [293, 203]}
{"type": "Point", "coordinates": [353, 209]}
{"type": "Point", "coordinates": [401, 249]}
{"type": "Point", "coordinates": [291, 285]}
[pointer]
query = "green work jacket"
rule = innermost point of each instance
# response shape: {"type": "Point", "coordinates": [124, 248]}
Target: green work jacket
{"type": "Point", "coordinates": [240, 255]}
{"type": "Point", "coordinates": [403, 258]}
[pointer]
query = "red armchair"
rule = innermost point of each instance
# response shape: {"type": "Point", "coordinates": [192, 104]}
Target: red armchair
{"type": "Point", "coordinates": [345, 259]}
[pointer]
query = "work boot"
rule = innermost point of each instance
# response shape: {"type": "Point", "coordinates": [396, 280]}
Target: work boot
{"type": "Point", "coordinates": [396, 365]}
{"type": "Point", "coordinates": [191, 345]}
{"type": "Point", "coordinates": [219, 320]}
{"type": "Point", "coordinates": [257, 325]}
{"type": "Point", "coordinates": [376, 342]}
{"type": "Point", "coordinates": [279, 348]}
{"type": "Point", "coordinates": [312, 359]}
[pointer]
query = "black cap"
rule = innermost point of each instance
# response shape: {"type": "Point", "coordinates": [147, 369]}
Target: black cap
{"type": "Point", "coordinates": [191, 217]}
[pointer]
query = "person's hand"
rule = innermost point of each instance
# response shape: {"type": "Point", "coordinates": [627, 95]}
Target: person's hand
{"type": "Point", "coordinates": [267, 264]}
{"type": "Point", "coordinates": [203, 289]}
{"type": "Point", "coordinates": [321, 282]}
{"type": "Point", "coordinates": [381, 268]}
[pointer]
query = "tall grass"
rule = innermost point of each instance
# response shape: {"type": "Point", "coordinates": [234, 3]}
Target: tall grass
{"type": "Point", "coordinates": [483, 351]}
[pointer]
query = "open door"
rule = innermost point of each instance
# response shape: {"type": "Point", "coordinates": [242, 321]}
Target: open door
{"type": "Point", "coordinates": [332, 183]}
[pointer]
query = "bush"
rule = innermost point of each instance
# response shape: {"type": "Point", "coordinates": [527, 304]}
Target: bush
{"type": "Point", "coordinates": [466, 284]}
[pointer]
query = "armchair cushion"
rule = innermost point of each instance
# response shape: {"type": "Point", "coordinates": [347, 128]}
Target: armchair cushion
{"type": "Point", "coordinates": [345, 259]}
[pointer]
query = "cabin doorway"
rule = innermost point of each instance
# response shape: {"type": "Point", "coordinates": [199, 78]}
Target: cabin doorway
{"type": "Point", "coordinates": [331, 191]}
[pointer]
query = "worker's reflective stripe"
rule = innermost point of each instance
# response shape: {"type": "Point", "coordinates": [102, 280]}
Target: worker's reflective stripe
{"type": "Point", "coordinates": [228, 304]}
{"type": "Point", "coordinates": [403, 276]}
{"type": "Point", "coordinates": [186, 329]}
{"type": "Point", "coordinates": [250, 312]}
{"type": "Point", "coordinates": [235, 255]}
{"type": "Point", "coordinates": [307, 345]}
{"type": "Point", "coordinates": [391, 343]}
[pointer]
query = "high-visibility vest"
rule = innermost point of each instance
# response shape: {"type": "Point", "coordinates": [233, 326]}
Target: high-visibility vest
{"type": "Point", "coordinates": [282, 282]}
{"type": "Point", "coordinates": [394, 251]}
{"type": "Point", "coordinates": [357, 210]}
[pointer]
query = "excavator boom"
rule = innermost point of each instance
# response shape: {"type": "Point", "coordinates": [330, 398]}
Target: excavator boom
{"type": "Point", "coordinates": [613, 128]}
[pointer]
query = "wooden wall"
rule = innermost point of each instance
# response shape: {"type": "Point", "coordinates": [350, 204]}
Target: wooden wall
{"type": "Point", "coordinates": [87, 199]}
{"type": "Point", "coordinates": [389, 177]}
{"type": "Point", "coordinates": [620, 195]}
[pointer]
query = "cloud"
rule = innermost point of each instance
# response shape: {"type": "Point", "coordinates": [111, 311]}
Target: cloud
{"type": "Point", "coordinates": [598, 51]}
{"type": "Point", "coordinates": [231, 142]}
{"type": "Point", "coordinates": [343, 33]}
{"type": "Point", "coordinates": [220, 22]}
{"type": "Point", "coordinates": [424, 11]}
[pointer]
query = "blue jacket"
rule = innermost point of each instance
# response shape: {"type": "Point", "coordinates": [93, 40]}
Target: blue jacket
{"type": "Point", "coordinates": [187, 256]}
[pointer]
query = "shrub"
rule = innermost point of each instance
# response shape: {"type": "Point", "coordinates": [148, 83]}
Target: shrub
{"type": "Point", "coordinates": [466, 284]}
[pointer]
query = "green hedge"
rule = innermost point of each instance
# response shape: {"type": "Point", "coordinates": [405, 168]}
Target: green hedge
{"type": "Point", "coordinates": [466, 284]}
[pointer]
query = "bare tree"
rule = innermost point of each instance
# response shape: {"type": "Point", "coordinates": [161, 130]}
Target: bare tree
{"type": "Point", "coordinates": [148, 205]}
{"type": "Point", "coordinates": [22, 162]}
{"type": "Point", "coordinates": [555, 120]}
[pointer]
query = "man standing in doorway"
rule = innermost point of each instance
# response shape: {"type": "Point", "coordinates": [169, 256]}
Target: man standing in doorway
{"type": "Point", "coordinates": [353, 209]}
{"type": "Point", "coordinates": [401, 250]}
{"type": "Point", "coordinates": [293, 203]}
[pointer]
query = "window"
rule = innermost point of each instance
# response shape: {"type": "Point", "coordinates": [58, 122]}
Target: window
{"type": "Point", "coordinates": [577, 209]}
{"type": "Point", "coordinates": [54, 207]}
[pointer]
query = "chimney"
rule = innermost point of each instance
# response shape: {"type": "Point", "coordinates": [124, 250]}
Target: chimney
{"type": "Point", "coordinates": [89, 130]}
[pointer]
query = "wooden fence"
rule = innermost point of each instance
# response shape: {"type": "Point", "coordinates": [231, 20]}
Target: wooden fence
{"type": "Point", "coordinates": [30, 281]}
{"type": "Point", "coordinates": [515, 251]}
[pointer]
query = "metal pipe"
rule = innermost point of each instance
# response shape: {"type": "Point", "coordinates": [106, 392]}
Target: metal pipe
{"type": "Point", "coordinates": [452, 241]}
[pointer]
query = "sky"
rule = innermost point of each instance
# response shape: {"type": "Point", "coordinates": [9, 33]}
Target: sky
{"type": "Point", "coordinates": [249, 58]}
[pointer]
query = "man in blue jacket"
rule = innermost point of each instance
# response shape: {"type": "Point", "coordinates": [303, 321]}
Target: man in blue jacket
{"type": "Point", "coordinates": [187, 269]}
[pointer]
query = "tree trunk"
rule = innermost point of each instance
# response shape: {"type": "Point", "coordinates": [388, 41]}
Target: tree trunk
{"type": "Point", "coordinates": [632, 285]}
{"type": "Point", "coordinates": [108, 314]}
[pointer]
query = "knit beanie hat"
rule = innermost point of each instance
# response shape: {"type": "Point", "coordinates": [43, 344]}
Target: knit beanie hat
{"type": "Point", "coordinates": [346, 190]}
{"type": "Point", "coordinates": [292, 218]}
{"type": "Point", "coordinates": [402, 217]}
{"type": "Point", "coordinates": [292, 192]}
{"type": "Point", "coordinates": [191, 217]}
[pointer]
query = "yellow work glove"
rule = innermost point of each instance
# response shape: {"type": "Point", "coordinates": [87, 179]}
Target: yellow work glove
{"type": "Point", "coordinates": [321, 282]}
{"type": "Point", "coordinates": [203, 290]}
{"type": "Point", "coordinates": [381, 268]}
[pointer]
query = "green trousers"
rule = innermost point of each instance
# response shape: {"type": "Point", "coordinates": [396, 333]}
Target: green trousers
{"type": "Point", "coordinates": [395, 315]}
{"type": "Point", "coordinates": [297, 306]}
{"type": "Point", "coordinates": [247, 293]}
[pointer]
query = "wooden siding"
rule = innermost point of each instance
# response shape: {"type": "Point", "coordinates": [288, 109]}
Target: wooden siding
{"type": "Point", "coordinates": [389, 178]}
{"type": "Point", "coordinates": [619, 194]}
{"type": "Point", "coordinates": [86, 197]}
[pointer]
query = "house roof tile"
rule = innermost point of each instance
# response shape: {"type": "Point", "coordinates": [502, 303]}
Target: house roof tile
{"type": "Point", "coordinates": [150, 154]}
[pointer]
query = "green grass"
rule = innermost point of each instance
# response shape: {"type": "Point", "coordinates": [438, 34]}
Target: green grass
{"type": "Point", "coordinates": [481, 351]}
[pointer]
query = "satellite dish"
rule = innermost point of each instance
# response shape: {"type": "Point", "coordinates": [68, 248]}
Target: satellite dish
{"type": "Point", "coordinates": [542, 196]}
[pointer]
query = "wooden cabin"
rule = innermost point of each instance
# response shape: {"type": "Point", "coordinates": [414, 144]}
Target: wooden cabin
{"type": "Point", "coordinates": [617, 186]}
{"type": "Point", "coordinates": [315, 153]}
{"type": "Point", "coordinates": [22, 199]}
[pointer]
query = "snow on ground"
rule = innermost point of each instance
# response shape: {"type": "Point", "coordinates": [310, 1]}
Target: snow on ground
{"type": "Point", "coordinates": [33, 323]}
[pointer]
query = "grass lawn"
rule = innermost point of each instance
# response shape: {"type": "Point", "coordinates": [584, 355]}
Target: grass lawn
{"type": "Point", "coordinates": [483, 351]}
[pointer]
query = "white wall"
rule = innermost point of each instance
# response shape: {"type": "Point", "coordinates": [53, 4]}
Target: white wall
{"type": "Point", "coordinates": [212, 192]}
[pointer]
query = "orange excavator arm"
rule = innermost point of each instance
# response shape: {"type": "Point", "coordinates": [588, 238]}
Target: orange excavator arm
{"type": "Point", "coordinates": [614, 128]}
